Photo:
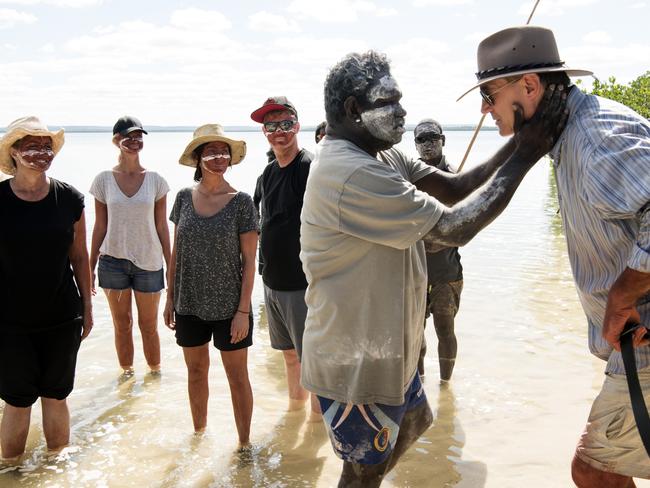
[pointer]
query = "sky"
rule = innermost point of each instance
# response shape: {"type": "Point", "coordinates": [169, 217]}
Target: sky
{"type": "Point", "coordinates": [189, 62]}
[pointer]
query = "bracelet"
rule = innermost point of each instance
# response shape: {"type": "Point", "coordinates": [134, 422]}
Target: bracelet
{"type": "Point", "coordinates": [241, 311]}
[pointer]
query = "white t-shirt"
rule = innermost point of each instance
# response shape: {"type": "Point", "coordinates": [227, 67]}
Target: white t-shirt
{"type": "Point", "coordinates": [131, 232]}
{"type": "Point", "coordinates": [362, 225]}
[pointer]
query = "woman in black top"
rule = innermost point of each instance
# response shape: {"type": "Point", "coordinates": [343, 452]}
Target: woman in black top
{"type": "Point", "coordinates": [45, 308]}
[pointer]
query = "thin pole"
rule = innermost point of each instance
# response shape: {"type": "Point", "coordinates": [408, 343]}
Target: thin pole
{"type": "Point", "coordinates": [480, 122]}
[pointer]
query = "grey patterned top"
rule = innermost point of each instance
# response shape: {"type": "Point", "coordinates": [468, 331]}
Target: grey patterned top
{"type": "Point", "coordinates": [208, 256]}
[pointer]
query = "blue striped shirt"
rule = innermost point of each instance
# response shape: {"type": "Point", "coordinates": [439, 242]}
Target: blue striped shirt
{"type": "Point", "coordinates": [602, 171]}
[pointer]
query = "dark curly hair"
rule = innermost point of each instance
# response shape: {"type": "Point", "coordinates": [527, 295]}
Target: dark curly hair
{"type": "Point", "coordinates": [351, 77]}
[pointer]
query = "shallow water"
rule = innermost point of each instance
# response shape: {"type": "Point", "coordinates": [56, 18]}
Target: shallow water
{"type": "Point", "coordinates": [521, 391]}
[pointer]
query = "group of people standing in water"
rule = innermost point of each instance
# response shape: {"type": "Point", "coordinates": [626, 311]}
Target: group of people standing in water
{"type": "Point", "coordinates": [343, 243]}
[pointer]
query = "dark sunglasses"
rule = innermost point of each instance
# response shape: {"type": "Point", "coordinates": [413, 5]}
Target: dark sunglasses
{"type": "Point", "coordinates": [282, 124]}
{"type": "Point", "coordinates": [489, 97]}
{"type": "Point", "coordinates": [429, 137]}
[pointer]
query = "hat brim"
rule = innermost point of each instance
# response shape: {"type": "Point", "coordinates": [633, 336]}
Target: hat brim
{"type": "Point", "coordinates": [10, 138]}
{"type": "Point", "coordinates": [569, 72]}
{"type": "Point", "coordinates": [132, 129]}
{"type": "Point", "coordinates": [258, 115]}
{"type": "Point", "coordinates": [237, 149]}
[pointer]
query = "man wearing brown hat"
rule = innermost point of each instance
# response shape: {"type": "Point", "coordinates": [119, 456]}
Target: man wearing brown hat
{"type": "Point", "coordinates": [281, 187]}
{"type": "Point", "coordinates": [444, 271]}
{"type": "Point", "coordinates": [602, 171]}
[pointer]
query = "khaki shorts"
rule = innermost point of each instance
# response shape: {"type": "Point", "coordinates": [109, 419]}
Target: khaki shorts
{"type": "Point", "coordinates": [611, 441]}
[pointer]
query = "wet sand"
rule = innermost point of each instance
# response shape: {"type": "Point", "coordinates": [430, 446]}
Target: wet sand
{"type": "Point", "coordinates": [511, 416]}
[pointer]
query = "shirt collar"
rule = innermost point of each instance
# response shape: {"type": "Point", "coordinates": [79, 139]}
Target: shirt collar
{"type": "Point", "coordinates": [575, 99]}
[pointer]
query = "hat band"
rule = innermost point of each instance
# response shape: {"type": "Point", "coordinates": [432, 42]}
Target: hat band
{"type": "Point", "coordinates": [514, 68]}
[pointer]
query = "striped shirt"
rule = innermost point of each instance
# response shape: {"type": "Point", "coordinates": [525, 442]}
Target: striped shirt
{"type": "Point", "coordinates": [602, 171]}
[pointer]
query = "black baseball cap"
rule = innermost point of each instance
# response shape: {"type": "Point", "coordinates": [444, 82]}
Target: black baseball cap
{"type": "Point", "coordinates": [127, 124]}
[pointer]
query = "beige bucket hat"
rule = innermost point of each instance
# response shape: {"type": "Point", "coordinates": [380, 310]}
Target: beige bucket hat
{"type": "Point", "coordinates": [211, 133]}
{"type": "Point", "coordinates": [19, 128]}
{"type": "Point", "coordinates": [517, 51]}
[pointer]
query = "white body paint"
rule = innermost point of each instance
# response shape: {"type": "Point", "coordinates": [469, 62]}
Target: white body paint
{"type": "Point", "coordinates": [384, 123]}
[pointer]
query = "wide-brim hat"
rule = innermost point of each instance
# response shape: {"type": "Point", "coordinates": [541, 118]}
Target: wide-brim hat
{"type": "Point", "coordinates": [212, 133]}
{"type": "Point", "coordinates": [19, 128]}
{"type": "Point", "coordinates": [517, 51]}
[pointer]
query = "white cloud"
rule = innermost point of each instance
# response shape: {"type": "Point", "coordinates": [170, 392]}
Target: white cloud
{"type": "Point", "coordinates": [442, 3]}
{"type": "Point", "coordinates": [194, 18]}
{"type": "Point", "coordinates": [337, 10]}
{"type": "Point", "coordinates": [48, 48]}
{"type": "Point", "coordinates": [638, 5]}
{"type": "Point", "coordinates": [56, 3]}
{"type": "Point", "coordinates": [10, 17]}
{"type": "Point", "coordinates": [267, 22]}
{"type": "Point", "coordinates": [597, 37]}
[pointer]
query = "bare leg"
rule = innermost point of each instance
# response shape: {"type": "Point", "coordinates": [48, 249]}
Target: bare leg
{"type": "Point", "coordinates": [235, 364]}
{"type": "Point", "coordinates": [315, 415]}
{"type": "Point", "coordinates": [56, 423]}
{"type": "Point", "coordinates": [197, 360]}
{"type": "Point", "coordinates": [414, 423]}
{"type": "Point", "coordinates": [586, 476]}
{"type": "Point", "coordinates": [119, 302]}
{"type": "Point", "coordinates": [13, 431]}
{"type": "Point", "coordinates": [147, 304]}
{"type": "Point", "coordinates": [297, 394]}
{"type": "Point", "coordinates": [447, 344]}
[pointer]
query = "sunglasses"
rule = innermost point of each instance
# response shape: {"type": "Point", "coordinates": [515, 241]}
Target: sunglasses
{"type": "Point", "coordinates": [284, 125]}
{"type": "Point", "coordinates": [429, 137]}
{"type": "Point", "coordinates": [489, 97]}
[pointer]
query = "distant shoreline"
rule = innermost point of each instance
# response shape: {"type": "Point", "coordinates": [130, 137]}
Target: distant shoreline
{"type": "Point", "coordinates": [232, 128]}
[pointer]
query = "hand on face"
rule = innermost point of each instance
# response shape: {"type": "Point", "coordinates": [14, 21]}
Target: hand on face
{"type": "Point", "coordinates": [538, 135]}
{"type": "Point", "coordinates": [35, 153]}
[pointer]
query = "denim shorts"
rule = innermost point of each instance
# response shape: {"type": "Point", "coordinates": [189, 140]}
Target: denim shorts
{"type": "Point", "coordinates": [120, 274]}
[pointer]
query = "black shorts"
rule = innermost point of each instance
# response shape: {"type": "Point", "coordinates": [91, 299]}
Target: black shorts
{"type": "Point", "coordinates": [39, 364]}
{"type": "Point", "coordinates": [192, 331]}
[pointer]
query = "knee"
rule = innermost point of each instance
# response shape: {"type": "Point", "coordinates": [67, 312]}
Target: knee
{"type": "Point", "coordinates": [123, 323]}
{"type": "Point", "coordinates": [291, 358]}
{"type": "Point", "coordinates": [237, 377]}
{"type": "Point", "coordinates": [197, 371]}
{"type": "Point", "coordinates": [444, 326]}
{"type": "Point", "coordinates": [581, 473]}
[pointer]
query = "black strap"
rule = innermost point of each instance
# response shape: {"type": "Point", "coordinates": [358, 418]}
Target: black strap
{"type": "Point", "coordinates": [636, 395]}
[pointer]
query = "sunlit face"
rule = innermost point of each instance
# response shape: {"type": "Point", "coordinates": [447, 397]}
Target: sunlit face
{"type": "Point", "coordinates": [34, 153]}
{"type": "Point", "coordinates": [215, 157]}
{"type": "Point", "coordinates": [504, 94]}
{"type": "Point", "coordinates": [281, 138]}
{"type": "Point", "coordinates": [133, 142]}
{"type": "Point", "coordinates": [384, 115]}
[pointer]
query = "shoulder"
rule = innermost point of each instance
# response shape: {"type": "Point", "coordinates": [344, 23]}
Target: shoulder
{"type": "Point", "coordinates": [157, 177]}
{"type": "Point", "coordinates": [68, 191]}
{"type": "Point", "coordinates": [244, 197]}
{"type": "Point", "coordinates": [102, 177]}
{"type": "Point", "coordinates": [305, 157]}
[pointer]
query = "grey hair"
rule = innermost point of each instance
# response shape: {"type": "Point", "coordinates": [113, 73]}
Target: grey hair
{"type": "Point", "coordinates": [351, 77]}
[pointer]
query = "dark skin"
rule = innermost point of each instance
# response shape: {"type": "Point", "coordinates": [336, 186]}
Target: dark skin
{"type": "Point", "coordinates": [458, 223]}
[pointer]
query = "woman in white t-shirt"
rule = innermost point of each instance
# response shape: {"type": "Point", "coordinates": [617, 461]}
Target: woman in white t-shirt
{"type": "Point", "coordinates": [130, 240]}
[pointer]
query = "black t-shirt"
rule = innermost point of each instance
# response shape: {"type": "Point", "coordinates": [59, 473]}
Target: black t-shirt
{"type": "Point", "coordinates": [282, 191]}
{"type": "Point", "coordinates": [37, 287]}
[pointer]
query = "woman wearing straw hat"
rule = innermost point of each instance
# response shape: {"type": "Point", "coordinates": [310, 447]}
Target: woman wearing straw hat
{"type": "Point", "coordinates": [211, 274]}
{"type": "Point", "coordinates": [44, 314]}
{"type": "Point", "coordinates": [130, 239]}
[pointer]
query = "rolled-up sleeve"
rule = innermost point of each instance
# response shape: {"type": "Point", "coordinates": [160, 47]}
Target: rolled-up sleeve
{"type": "Point", "coordinates": [640, 257]}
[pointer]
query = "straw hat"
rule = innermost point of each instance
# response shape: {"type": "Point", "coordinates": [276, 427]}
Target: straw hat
{"type": "Point", "coordinates": [518, 51]}
{"type": "Point", "coordinates": [212, 133]}
{"type": "Point", "coordinates": [25, 126]}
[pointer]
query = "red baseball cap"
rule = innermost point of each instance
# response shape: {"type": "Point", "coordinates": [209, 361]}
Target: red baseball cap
{"type": "Point", "coordinates": [271, 104]}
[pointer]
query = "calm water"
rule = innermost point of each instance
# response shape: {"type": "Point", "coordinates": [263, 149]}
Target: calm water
{"type": "Point", "coordinates": [520, 395]}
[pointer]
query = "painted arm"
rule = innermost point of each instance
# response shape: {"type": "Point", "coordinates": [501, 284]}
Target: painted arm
{"type": "Point", "coordinates": [168, 312]}
{"type": "Point", "coordinates": [99, 233]}
{"type": "Point", "coordinates": [451, 188]}
{"type": "Point", "coordinates": [532, 140]}
{"type": "Point", "coordinates": [162, 229]}
{"type": "Point", "coordinates": [78, 256]}
{"type": "Point", "coordinates": [239, 326]}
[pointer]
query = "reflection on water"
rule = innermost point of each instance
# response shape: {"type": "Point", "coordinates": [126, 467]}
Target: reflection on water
{"type": "Point", "coordinates": [520, 395]}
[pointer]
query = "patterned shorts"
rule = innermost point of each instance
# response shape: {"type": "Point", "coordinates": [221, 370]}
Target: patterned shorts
{"type": "Point", "coordinates": [366, 434]}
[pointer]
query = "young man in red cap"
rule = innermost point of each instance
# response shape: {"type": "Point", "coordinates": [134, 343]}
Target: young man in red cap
{"type": "Point", "coordinates": [281, 187]}
{"type": "Point", "coordinates": [603, 179]}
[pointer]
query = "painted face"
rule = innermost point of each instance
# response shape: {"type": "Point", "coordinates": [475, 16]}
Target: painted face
{"type": "Point", "coordinates": [280, 136]}
{"type": "Point", "coordinates": [215, 157]}
{"type": "Point", "coordinates": [34, 152]}
{"type": "Point", "coordinates": [132, 142]}
{"type": "Point", "coordinates": [429, 145]}
{"type": "Point", "coordinates": [504, 94]}
{"type": "Point", "coordinates": [384, 118]}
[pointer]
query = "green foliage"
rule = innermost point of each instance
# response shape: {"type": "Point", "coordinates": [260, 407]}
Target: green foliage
{"type": "Point", "coordinates": [635, 95]}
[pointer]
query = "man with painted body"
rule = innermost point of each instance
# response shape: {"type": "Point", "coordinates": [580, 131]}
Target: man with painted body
{"type": "Point", "coordinates": [369, 211]}
{"type": "Point", "coordinates": [279, 192]}
{"type": "Point", "coordinates": [444, 271]}
{"type": "Point", "coordinates": [601, 162]}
